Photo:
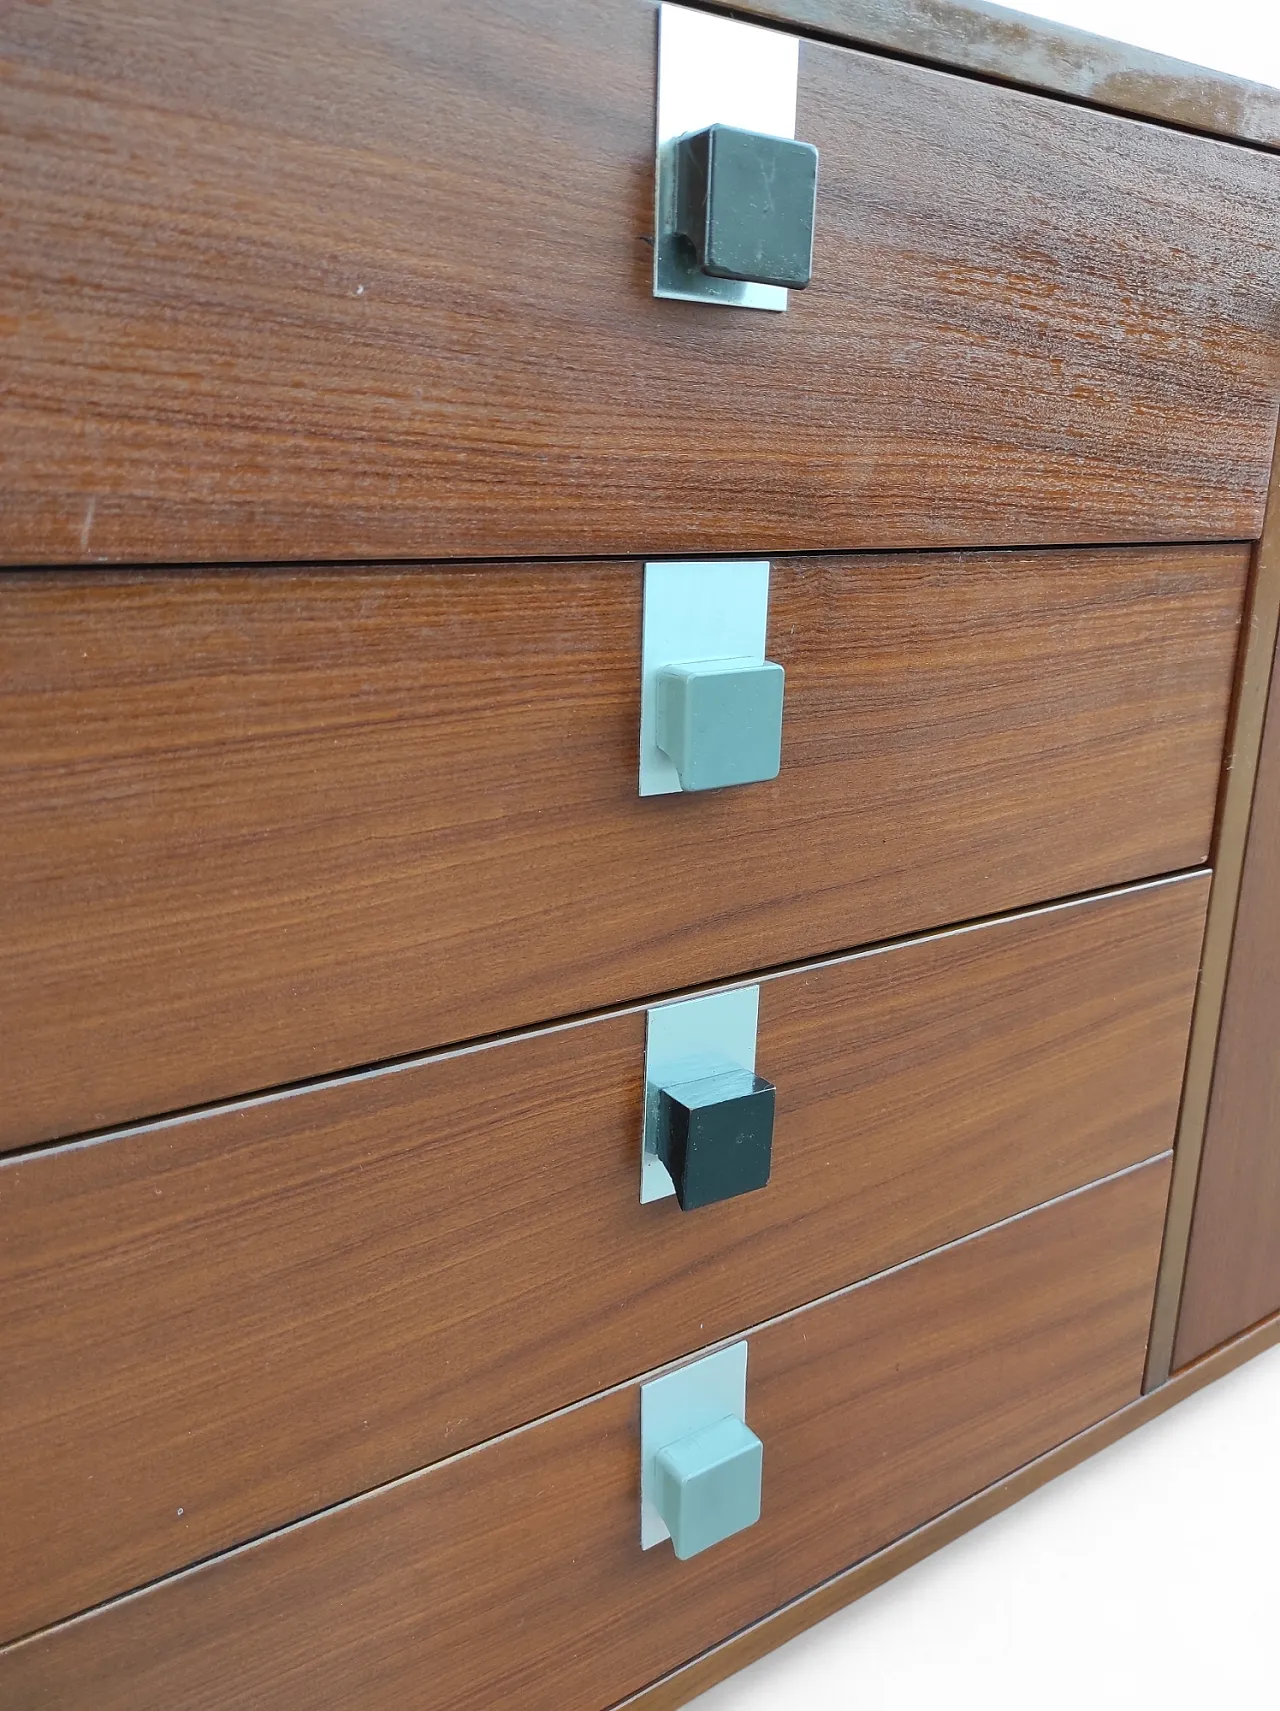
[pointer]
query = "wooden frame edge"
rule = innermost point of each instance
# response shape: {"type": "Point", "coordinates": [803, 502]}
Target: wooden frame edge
{"type": "Point", "coordinates": [774, 1630]}
{"type": "Point", "coordinates": [1262, 613]}
{"type": "Point", "coordinates": [1001, 44]}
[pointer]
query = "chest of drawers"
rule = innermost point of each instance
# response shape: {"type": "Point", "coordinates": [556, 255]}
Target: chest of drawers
{"type": "Point", "coordinates": [342, 423]}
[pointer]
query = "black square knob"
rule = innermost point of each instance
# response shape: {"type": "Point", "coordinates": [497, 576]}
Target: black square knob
{"type": "Point", "coordinates": [715, 1136]}
{"type": "Point", "coordinates": [745, 204]}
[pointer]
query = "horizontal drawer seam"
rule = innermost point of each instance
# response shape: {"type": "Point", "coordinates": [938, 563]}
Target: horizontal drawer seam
{"type": "Point", "coordinates": [560, 1024]}
{"type": "Point", "coordinates": [168, 567]}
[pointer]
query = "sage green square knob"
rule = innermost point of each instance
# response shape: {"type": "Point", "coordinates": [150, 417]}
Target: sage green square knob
{"type": "Point", "coordinates": [707, 1486]}
{"type": "Point", "coordinates": [745, 205]}
{"type": "Point", "coordinates": [720, 721]}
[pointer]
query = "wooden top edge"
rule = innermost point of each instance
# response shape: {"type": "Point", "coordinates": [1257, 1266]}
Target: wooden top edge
{"type": "Point", "coordinates": [1036, 53]}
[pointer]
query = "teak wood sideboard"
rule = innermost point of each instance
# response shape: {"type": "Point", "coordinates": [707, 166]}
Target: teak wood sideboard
{"type": "Point", "coordinates": [477, 1230]}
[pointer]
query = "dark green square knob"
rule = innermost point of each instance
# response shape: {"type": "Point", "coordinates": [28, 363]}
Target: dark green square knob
{"type": "Point", "coordinates": [715, 1136]}
{"type": "Point", "coordinates": [745, 204]}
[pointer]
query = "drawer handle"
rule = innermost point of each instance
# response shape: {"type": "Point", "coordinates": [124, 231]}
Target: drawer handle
{"type": "Point", "coordinates": [700, 1463]}
{"type": "Point", "coordinates": [710, 702]}
{"type": "Point", "coordinates": [707, 1486]}
{"type": "Point", "coordinates": [734, 192]}
{"type": "Point", "coordinates": [745, 205]}
{"type": "Point", "coordinates": [720, 721]}
{"type": "Point", "coordinates": [708, 1117]}
{"type": "Point", "coordinates": [715, 1136]}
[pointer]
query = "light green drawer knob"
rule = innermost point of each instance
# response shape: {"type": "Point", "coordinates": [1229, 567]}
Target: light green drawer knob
{"type": "Point", "coordinates": [707, 1485]}
{"type": "Point", "coordinates": [720, 721]}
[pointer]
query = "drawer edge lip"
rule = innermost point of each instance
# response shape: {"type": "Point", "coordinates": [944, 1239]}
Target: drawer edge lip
{"type": "Point", "coordinates": [633, 1383]}
{"type": "Point", "coordinates": [676, 1689]}
{"type": "Point", "coordinates": [361, 1074]}
{"type": "Point", "coordinates": [974, 38]}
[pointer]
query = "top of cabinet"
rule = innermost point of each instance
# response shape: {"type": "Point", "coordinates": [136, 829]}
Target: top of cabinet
{"type": "Point", "coordinates": [1035, 53]}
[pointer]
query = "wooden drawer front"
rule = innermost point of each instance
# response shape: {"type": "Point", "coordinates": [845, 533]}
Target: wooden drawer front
{"type": "Point", "coordinates": [286, 279]}
{"type": "Point", "coordinates": [261, 826]}
{"type": "Point", "coordinates": [513, 1577]}
{"type": "Point", "coordinates": [214, 1326]}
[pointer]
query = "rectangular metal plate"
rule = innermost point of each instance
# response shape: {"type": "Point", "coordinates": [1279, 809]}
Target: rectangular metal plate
{"type": "Point", "coordinates": [684, 1041]}
{"type": "Point", "coordinates": [714, 70]}
{"type": "Point", "coordinates": [681, 1402]}
{"type": "Point", "coordinates": [694, 610]}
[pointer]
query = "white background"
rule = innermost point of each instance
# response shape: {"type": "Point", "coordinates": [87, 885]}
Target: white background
{"type": "Point", "coordinates": [1150, 1576]}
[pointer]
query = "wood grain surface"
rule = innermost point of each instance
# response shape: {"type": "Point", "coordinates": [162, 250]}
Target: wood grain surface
{"type": "Point", "coordinates": [1233, 1263]}
{"type": "Point", "coordinates": [215, 1326]}
{"type": "Point", "coordinates": [513, 1578]}
{"type": "Point", "coordinates": [291, 279]}
{"type": "Point", "coordinates": [261, 826]}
